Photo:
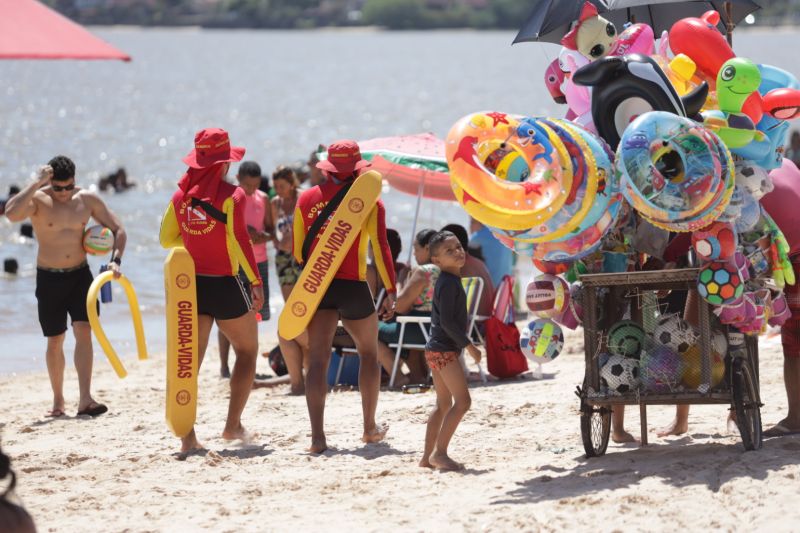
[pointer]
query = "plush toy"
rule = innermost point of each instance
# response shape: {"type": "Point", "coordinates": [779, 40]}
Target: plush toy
{"type": "Point", "coordinates": [591, 35]}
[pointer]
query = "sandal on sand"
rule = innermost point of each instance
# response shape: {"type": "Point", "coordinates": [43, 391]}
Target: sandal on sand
{"type": "Point", "coordinates": [779, 430]}
{"type": "Point", "coordinates": [95, 410]}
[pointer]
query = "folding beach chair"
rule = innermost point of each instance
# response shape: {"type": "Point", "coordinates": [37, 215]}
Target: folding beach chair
{"type": "Point", "coordinates": [473, 287]}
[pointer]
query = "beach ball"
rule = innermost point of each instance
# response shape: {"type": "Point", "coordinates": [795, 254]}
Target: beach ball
{"type": "Point", "coordinates": [720, 283]}
{"type": "Point", "coordinates": [620, 374]}
{"type": "Point", "coordinates": [547, 295]}
{"type": "Point", "coordinates": [626, 338]}
{"type": "Point", "coordinates": [541, 340]}
{"type": "Point", "coordinates": [98, 240]}
{"type": "Point", "coordinates": [715, 242]}
{"type": "Point", "coordinates": [674, 332]}
{"type": "Point", "coordinates": [572, 316]}
{"type": "Point", "coordinates": [660, 368]}
{"type": "Point", "coordinates": [692, 376]}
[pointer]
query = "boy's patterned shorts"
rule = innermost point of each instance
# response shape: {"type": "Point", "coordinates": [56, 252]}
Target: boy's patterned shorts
{"type": "Point", "coordinates": [439, 360]}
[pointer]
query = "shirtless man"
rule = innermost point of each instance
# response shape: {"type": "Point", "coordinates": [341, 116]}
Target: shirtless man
{"type": "Point", "coordinates": [59, 212]}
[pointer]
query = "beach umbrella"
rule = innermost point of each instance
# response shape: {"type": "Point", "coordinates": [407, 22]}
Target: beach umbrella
{"type": "Point", "coordinates": [550, 19]}
{"type": "Point", "coordinates": [31, 30]}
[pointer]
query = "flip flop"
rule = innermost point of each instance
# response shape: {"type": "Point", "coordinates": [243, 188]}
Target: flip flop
{"type": "Point", "coordinates": [96, 410]}
{"type": "Point", "coordinates": [779, 430]}
{"type": "Point", "coordinates": [55, 413]}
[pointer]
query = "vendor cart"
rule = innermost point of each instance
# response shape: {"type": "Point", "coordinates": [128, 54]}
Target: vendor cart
{"type": "Point", "coordinates": [608, 298]}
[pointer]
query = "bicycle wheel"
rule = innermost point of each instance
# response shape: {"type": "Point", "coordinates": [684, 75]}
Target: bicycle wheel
{"type": "Point", "coordinates": [747, 405]}
{"type": "Point", "coordinates": [595, 429]}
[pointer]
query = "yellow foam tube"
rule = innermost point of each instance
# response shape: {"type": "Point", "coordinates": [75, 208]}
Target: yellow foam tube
{"type": "Point", "coordinates": [182, 346]}
{"type": "Point", "coordinates": [94, 319]}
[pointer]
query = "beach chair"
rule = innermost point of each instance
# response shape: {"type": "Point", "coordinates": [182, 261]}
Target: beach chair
{"type": "Point", "coordinates": [473, 287]}
{"type": "Point", "coordinates": [347, 351]}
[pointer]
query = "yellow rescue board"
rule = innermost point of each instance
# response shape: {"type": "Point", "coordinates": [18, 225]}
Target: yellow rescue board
{"type": "Point", "coordinates": [182, 350]}
{"type": "Point", "coordinates": [94, 320]}
{"type": "Point", "coordinates": [339, 235]}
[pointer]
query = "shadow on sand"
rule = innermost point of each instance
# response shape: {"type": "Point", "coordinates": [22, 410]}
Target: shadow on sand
{"type": "Point", "coordinates": [678, 463]}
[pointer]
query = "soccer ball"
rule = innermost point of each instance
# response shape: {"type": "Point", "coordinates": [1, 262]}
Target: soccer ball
{"type": "Point", "coordinates": [717, 241]}
{"type": "Point", "coordinates": [547, 295]}
{"type": "Point", "coordinates": [661, 368]}
{"type": "Point", "coordinates": [753, 179]}
{"type": "Point", "coordinates": [541, 340]}
{"type": "Point", "coordinates": [720, 283]}
{"type": "Point", "coordinates": [626, 338]}
{"type": "Point", "coordinates": [620, 374]}
{"type": "Point", "coordinates": [674, 332]}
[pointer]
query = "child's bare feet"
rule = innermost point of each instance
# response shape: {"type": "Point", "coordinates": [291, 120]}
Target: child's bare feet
{"type": "Point", "coordinates": [621, 437]}
{"type": "Point", "coordinates": [441, 461]}
{"type": "Point", "coordinates": [238, 433]}
{"type": "Point", "coordinates": [299, 390]}
{"type": "Point", "coordinates": [425, 462]}
{"type": "Point", "coordinates": [318, 445]}
{"type": "Point", "coordinates": [674, 428]}
{"type": "Point", "coordinates": [376, 434]}
{"type": "Point", "coordinates": [732, 427]}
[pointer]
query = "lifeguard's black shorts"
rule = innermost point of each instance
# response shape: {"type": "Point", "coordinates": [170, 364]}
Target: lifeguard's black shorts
{"type": "Point", "coordinates": [351, 298]}
{"type": "Point", "coordinates": [60, 293]}
{"type": "Point", "coordinates": [222, 297]}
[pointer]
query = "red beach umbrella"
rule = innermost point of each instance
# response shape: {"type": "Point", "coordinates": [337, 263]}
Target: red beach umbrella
{"type": "Point", "coordinates": [31, 30]}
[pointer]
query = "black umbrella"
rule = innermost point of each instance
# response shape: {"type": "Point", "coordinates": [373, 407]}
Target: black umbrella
{"type": "Point", "coordinates": [550, 19]}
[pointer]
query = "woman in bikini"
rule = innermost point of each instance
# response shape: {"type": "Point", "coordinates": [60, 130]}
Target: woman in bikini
{"type": "Point", "coordinates": [295, 352]}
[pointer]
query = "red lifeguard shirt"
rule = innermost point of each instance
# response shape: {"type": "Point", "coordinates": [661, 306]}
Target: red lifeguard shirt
{"type": "Point", "coordinates": [354, 266]}
{"type": "Point", "coordinates": [218, 249]}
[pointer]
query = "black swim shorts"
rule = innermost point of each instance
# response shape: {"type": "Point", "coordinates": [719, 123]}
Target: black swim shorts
{"type": "Point", "coordinates": [222, 297]}
{"type": "Point", "coordinates": [60, 293]}
{"type": "Point", "coordinates": [351, 298]}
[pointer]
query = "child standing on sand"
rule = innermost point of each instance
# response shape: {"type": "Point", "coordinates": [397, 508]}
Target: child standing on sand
{"type": "Point", "coordinates": [448, 338]}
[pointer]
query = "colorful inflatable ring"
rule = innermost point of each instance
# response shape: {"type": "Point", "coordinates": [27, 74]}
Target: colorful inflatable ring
{"type": "Point", "coordinates": [582, 244]}
{"type": "Point", "coordinates": [508, 164]}
{"type": "Point", "coordinates": [669, 165]}
{"type": "Point", "coordinates": [580, 197]}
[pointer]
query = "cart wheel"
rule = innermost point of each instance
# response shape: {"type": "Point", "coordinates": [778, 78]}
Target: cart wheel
{"type": "Point", "coordinates": [595, 429]}
{"type": "Point", "coordinates": [747, 404]}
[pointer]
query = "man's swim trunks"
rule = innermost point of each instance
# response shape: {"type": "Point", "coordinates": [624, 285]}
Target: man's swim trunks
{"type": "Point", "coordinates": [352, 299]}
{"type": "Point", "coordinates": [61, 293]}
{"type": "Point", "coordinates": [222, 297]}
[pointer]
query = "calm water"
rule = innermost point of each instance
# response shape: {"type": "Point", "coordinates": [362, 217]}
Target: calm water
{"type": "Point", "coordinates": [279, 94]}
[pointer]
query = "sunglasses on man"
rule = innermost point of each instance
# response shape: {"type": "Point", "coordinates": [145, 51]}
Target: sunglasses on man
{"type": "Point", "coordinates": [59, 188]}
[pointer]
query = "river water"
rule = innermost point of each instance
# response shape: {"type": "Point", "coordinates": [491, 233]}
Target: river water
{"type": "Point", "coordinates": [279, 94]}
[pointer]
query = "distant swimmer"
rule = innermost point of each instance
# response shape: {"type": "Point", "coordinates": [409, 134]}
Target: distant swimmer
{"type": "Point", "coordinates": [348, 297]}
{"type": "Point", "coordinates": [59, 212]}
{"type": "Point", "coordinates": [207, 217]}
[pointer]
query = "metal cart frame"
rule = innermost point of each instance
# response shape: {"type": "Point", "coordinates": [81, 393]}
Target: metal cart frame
{"type": "Point", "coordinates": [741, 373]}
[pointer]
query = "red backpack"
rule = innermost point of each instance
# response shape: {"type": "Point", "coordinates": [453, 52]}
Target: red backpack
{"type": "Point", "coordinates": [504, 358]}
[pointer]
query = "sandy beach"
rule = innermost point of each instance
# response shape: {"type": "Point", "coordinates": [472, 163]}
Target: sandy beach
{"type": "Point", "coordinates": [521, 444]}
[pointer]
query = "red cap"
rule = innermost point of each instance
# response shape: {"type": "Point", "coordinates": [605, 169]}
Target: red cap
{"type": "Point", "coordinates": [344, 157]}
{"type": "Point", "coordinates": [212, 146]}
